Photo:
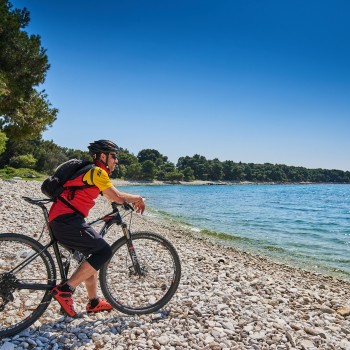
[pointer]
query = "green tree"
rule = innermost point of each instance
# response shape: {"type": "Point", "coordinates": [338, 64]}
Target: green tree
{"type": "Point", "coordinates": [77, 154]}
{"type": "Point", "coordinates": [238, 172]}
{"type": "Point", "coordinates": [15, 147]}
{"type": "Point", "coordinates": [198, 163]}
{"type": "Point", "coordinates": [152, 155]}
{"type": "Point", "coordinates": [168, 167]}
{"type": "Point", "coordinates": [3, 140]}
{"type": "Point", "coordinates": [278, 174]}
{"type": "Point", "coordinates": [258, 173]}
{"type": "Point", "coordinates": [174, 176]}
{"type": "Point", "coordinates": [148, 170]}
{"type": "Point", "coordinates": [188, 174]}
{"type": "Point", "coordinates": [233, 171]}
{"type": "Point", "coordinates": [134, 172]}
{"type": "Point", "coordinates": [24, 111]}
{"type": "Point", "coordinates": [227, 168]}
{"type": "Point", "coordinates": [49, 156]}
{"type": "Point", "coordinates": [164, 170]}
{"type": "Point", "coordinates": [248, 172]}
{"type": "Point", "coordinates": [126, 158]}
{"type": "Point", "coordinates": [121, 171]}
{"type": "Point", "coordinates": [216, 170]}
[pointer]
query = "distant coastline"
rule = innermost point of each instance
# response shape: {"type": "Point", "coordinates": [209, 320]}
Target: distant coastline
{"type": "Point", "coordinates": [119, 182]}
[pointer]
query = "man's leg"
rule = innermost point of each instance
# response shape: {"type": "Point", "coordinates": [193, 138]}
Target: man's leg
{"type": "Point", "coordinates": [75, 233]}
{"type": "Point", "coordinates": [91, 286]}
{"type": "Point", "coordinates": [97, 260]}
{"type": "Point", "coordinates": [95, 303]}
{"type": "Point", "coordinates": [85, 273]}
{"type": "Point", "coordinates": [63, 292]}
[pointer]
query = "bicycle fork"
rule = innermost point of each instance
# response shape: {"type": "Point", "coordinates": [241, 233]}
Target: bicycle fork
{"type": "Point", "coordinates": [131, 251]}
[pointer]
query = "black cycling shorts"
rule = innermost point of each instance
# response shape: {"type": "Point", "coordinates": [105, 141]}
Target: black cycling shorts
{"type": "Point", "coordinates": [72, 231]}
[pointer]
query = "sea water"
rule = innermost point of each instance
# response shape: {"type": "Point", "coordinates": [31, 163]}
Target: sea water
{"type": "Point", "coordinates": [301, 225]}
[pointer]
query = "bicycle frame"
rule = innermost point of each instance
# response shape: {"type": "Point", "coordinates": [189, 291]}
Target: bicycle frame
{"type": "Point", "coordinates": [115, 218]}
{"type": "Point", "coordinates": [108, 220]}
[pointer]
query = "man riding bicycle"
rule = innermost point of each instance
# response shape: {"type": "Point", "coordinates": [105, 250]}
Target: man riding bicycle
{"type": "Point", "coordinates": [71, 229]}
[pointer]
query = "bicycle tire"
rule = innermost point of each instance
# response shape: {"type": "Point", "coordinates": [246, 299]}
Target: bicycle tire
{"type": "Point", "coordinates": [27, 304]}
{"type": "Point", "coordinates": [133, 294]}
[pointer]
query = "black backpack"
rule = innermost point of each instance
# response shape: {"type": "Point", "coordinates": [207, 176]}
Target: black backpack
{"type": "Point", "coordinates": [53, 186]}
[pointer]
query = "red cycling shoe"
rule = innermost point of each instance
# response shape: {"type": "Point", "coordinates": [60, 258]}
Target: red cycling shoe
{"type": "Point", "coordinates": [65, 299]}
{"type": "Point", "coordinates": [102, 305]}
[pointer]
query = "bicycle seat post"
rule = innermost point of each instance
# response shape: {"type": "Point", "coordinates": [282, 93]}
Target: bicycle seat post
{"type": "Point", "coordinates": [46, 214]}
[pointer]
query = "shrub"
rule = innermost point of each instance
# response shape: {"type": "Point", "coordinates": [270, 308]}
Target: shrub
{"type": "Point", "coordinates": [3, 140]}
{"type": "Point", "coordinates": [174, 176]}
{"type": "Point", "coordinates": [23, 161]}
{"type": "Point", "coordinates": [25, 173]}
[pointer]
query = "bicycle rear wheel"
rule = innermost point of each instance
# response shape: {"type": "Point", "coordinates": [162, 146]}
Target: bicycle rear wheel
{"type": "Point", "coordinates": [20, 303]}
{"type": "Point", "coordinates": [132, 293]}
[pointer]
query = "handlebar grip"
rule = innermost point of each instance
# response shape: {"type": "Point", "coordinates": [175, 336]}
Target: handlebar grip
{"type": "Point", "coordinates": [128, 206]}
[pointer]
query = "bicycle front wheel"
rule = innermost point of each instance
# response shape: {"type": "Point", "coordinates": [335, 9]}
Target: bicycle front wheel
{"type": "Point", "coordinates": [26, 274]}
{"type": "Point", "coordinates": [141, 293]}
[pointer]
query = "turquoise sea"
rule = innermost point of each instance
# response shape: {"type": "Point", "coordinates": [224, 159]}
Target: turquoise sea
{"type": "Point", "coordinates": [303, 225]}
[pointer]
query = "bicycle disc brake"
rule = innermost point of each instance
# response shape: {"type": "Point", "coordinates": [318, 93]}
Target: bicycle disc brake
{"type": "Point", "coordinates": [132, 271]}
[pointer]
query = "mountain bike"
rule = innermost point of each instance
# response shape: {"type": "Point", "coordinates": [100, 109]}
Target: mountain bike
{"type": "Point", "coordinates": [140, 278]}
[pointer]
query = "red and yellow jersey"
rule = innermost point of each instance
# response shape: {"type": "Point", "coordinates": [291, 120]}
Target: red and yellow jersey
{"type": "Point", "coordinates": [82, 199]}
{"type": "Point", "coordinates": [98, 177]}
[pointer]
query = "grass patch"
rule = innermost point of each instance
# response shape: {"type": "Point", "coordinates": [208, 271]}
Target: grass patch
{"type": "Point", "coordinates": [9, 173]}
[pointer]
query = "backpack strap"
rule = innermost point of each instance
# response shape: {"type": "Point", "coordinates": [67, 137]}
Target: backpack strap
{"type": "Point", "coordinates": [70, 205]}
{"type": "Point", "coordinates": [72, 189]}
{"type": "Point", "coordinates": [92, 173]}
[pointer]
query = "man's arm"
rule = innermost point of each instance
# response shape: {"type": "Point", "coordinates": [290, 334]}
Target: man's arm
{"type": "Point", "coordinates": [114, 195]}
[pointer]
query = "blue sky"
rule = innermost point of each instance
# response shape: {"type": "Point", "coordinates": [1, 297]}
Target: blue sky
{"type": "Point", "coordinates": [251, 81]}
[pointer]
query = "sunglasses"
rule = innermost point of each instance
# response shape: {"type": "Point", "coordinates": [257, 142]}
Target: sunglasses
{"type": "Point", "coordinates": [114, 156]}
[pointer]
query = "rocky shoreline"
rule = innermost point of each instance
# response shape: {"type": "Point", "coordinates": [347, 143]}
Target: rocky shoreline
{"type": "Point", "coordinates": [227, 299]}
{"type": "Point", "coordinates": [120, 182]}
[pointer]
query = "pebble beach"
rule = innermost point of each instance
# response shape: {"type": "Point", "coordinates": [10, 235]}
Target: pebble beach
{"type": "Point", "coordinates": [227, 298]}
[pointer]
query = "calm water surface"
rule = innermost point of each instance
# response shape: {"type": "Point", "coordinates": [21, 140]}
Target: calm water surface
{"type": "Point", "coordinates": [304, 225]}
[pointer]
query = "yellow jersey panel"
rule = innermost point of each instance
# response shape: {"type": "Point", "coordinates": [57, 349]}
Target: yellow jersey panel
{"type": "Point", "coordinates": [100, 178]}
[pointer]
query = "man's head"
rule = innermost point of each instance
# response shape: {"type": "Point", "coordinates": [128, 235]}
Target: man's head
{"type": "Point", "coordinates": [105, 151]}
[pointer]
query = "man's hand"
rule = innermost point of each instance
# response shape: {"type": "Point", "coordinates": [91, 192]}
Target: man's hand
{"type": "Point", "coordinates": [114, 195]}
{"type": "Point", "coordinates": [139, 206]}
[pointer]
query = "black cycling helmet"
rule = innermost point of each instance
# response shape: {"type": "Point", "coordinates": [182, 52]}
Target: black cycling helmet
{"type": "Point", "coordinates": [102, 146]}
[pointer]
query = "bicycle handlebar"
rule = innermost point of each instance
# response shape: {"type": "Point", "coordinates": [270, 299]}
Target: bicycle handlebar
{"type": "Point", "coordinates": [125, 205]}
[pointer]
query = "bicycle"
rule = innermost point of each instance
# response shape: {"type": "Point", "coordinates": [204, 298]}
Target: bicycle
{"type": "Point", "coordinates": [140, 278]}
